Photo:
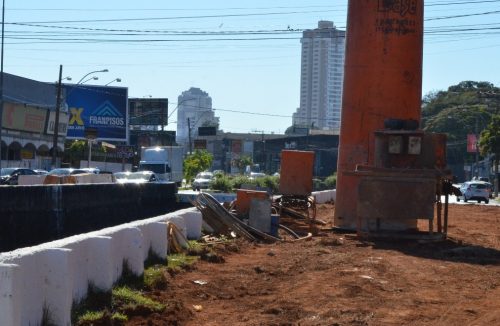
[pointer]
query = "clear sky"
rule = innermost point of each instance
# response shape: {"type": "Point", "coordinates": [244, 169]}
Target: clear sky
{"type": "Point", "coordinates": [241, 52]}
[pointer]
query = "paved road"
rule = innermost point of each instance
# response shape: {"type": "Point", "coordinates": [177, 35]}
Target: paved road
{"type": "Point", "coordinates": [453, 200]}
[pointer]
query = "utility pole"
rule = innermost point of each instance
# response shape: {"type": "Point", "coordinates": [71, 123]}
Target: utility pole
{"type": "Point", "coordinates": [477, 149]}
{"type": "Point", "coordinates": [56, 123]}
{"type": "Point", "coordinates": [189, 136]}
{"type": "Point", "coordinates": [1, 80]}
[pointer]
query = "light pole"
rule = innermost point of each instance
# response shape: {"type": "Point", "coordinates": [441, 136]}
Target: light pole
{"type": "Point", "coordinates": [88, 79]}
{"type": "Point", "coordinates": [118, 80]}
{"type": "Point", "coordinates": [90, 73]}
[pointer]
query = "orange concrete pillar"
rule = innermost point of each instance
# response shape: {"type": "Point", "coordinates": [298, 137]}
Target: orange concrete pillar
{"type": "Point", "coordinates": [382, 79]}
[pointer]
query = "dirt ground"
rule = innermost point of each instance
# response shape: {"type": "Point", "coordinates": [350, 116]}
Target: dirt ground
{"type": "Point", "coordinates": [336, 279]}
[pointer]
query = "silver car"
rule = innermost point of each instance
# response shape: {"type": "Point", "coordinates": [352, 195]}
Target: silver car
{"type": "Point", "coordinates": [475, 190]}
{"type": "Point", "coordinates": [203, 180]}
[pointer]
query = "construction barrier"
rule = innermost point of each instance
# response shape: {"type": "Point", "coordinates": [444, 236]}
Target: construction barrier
{"type": "Point", "coordinates": [54, 275]}
{"type": "Point", "coordinates": [30, 215]}
{"type": "Point", "coordinates": [325, 196]}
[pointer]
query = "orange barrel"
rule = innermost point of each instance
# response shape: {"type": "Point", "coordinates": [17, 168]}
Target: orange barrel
{"type": "Point", "coordinates": [244, 198]}
{"type": "Point", "coordinates": [382, 79]}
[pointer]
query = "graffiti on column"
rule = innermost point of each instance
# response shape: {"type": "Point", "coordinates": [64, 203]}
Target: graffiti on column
{"type": "Point", "coordinates": [400, 17]}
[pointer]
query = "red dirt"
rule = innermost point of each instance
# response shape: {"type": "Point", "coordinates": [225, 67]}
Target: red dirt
{"type": "Point", "coordinates": [336, 279]}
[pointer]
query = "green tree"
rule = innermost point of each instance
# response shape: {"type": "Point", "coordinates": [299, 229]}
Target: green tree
{"type": "Point", "coordinates": [465, 108]}
{"type": "Point", "coordinates": [199, 161]}
{"type": "Point", "coordinates": [489, 143]}
{"type": "Point", "coordinates": [242, 162]}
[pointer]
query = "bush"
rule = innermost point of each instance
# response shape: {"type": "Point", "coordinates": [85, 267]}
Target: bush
{"type": "Point", "coordinates": [239, 180]}
{"type": "Point", "coordinates": [318, 185]}
{"type": "Point", "coordinates": [221, 183]}
{"type": "Point", "coordinates": [270, 182]}
{"type": "Point", "coordinates": [331, 181]}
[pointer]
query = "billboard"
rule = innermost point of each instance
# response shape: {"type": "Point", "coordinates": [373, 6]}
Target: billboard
{"type": "Point", "coordinates": [148, 111]}
{"type": "Point", "coordinates": [471, 143]}
{"type": "Point", "coordinates": [23, 118]}
{"type": "Point", "coordinates": [100, 107]}
{"type": "Point", "coordinates": [63, 123]}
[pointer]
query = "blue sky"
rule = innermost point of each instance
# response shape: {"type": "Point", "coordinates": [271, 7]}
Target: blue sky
{"type": "Point", "coordinates": [161, 48]}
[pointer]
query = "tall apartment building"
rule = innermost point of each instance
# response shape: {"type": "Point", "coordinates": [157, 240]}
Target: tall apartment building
{"type": "Point", "coordinates": [195, 106]}
{"type": "Point", "coordinates": [322, 75]}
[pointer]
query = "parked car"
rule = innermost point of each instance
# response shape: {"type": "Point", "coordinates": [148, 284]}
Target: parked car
{"type": "Point", "coordinates": [67, 171]}
{"type": "Point", "coordinates": [202, 180]}
{"type": "Point", "coordinates": [41, 172]}
{"type": "Point", "coordinates": [136, 177]}
{"type": "Point", "coordinates": [256, 175]}
{"type": "Point", "coordinates": [475, 190]}
{"type": "Point", "coordinates": [9, 176]}
{"type": "Point", "coordinates": [91, 170]}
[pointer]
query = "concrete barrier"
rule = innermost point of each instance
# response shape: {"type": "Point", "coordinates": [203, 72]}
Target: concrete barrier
{"type": "Point", "coordinates": [53, 275]}
{"type": "Point", "coordinates": [325, 196]}
{"type": "Point", "coordinates": [30, 215]}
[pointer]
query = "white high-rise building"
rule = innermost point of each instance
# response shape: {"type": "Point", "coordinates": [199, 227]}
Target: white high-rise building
{"type": "Point", "coordinates": [195, 106]}
{"type": "Point", "coordinates": [322, 75]}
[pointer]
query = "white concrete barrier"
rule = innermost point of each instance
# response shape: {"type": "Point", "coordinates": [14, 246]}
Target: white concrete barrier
{"type": "Point", "coordinates": [28, 180]}
{"type": "Point", "coordinates": [10, 283]}
{"type": "Point", "coordinates": [325, 196]}
{"type": "Point", "coordinates": [53, 275]}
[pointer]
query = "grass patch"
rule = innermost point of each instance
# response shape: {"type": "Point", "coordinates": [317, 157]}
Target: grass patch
{"type": "Point", "coordinates": [179, 262]}
{"type": "Point", "coordinates": [154, 277]}
{"type": "Point", "coordinates": [91, 316]}
{"type": "Point", "coordinates": [96, 301]}
{"type": "Point", "coordinates": [129, 299]}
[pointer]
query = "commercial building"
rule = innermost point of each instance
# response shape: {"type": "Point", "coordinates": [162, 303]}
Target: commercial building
{"type": "Point", "coordinates": [194, 110]}
{"type": "Point", "coordinates": [28, 121]}
{"type": "Point", "coordinates": [322, 74]}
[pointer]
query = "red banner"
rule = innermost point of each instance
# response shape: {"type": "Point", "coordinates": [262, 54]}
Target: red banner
{"type": "Point", "coordinates": [471, 143]}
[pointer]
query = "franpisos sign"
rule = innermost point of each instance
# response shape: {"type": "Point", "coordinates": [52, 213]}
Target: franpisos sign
{"type": "Point", "coordinates": [99, 107]}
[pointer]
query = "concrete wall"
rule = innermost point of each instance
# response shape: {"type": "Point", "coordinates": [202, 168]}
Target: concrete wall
{"type": "Point", "coordinates": [54, 275]}
{"type": "Point", "coordinates": [325, 196]}
{"type": "Point", "coordinates": [30, 215]}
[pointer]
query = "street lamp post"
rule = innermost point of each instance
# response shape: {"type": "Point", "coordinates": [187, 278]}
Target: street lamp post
{"type": "Point", "coordinates": [88, 79]}
{"type": "Point", "coordinates": [118, 80]}
{"type": "Point", "coordinates": [90, 73]}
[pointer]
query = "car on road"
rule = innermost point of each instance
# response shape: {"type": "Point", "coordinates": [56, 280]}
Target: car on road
{"type": "Point", "coordinates": [256, 175]}
{"type": "Point", "coordinates": [475, 190]}
{"type": "Point", "coordinates": [9, 176]}
{"type": "Point", "coordinates": [136, 177]}
{"type": "Point", "coordinates": [67, 171]}
{"type": "Point", "coordinates": [202, 180]}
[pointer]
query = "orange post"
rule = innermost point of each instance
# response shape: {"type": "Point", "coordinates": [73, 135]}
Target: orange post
{"type": "Point", "coordinates": [382, 79]}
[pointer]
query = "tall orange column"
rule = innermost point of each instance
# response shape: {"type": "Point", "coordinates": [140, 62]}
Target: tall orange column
{"type": "Point", "coordinates": [382, 79]}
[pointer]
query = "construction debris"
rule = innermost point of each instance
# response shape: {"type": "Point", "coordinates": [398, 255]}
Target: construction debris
{"type": "Point", "coordinates": [225, 222]}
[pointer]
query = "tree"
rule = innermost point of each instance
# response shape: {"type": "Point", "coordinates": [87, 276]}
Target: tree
{"type": "Point", "coordinates": [194, 163]}
{"type": "Point", "coordinates": [463, 109]}
{"type": "Point", "coordinates": [242, 162]}
{"type": "Point", "coordinates": [489, 143]}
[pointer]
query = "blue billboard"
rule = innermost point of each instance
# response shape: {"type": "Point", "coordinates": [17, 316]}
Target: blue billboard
{"type": "Point", "coordinates": [97, 107]}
